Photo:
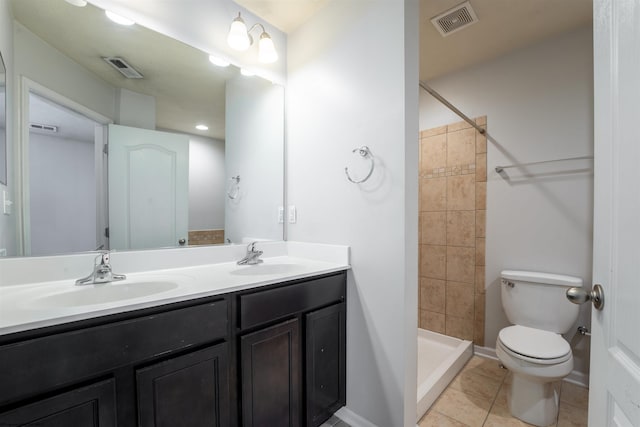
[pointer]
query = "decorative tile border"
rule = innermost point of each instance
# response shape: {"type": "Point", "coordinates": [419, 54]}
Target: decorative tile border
{"type": "Point", "coordinates": [451, 171]}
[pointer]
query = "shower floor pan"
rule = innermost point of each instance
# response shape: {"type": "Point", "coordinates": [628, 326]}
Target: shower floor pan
{"type": "Point", "coordinates": [440, 358]}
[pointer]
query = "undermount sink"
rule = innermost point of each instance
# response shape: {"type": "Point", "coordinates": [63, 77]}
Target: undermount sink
{"type": "Point", "coordinates": [105, 293]}
{"type": "Point", "coordinates": [264, 269]}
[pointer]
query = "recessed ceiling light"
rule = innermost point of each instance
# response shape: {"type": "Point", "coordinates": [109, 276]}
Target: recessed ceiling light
{"type": "Point", "coordinates": [119, 19]}
{"type": "Point", "coordinates": [247, 73]}
{"type": "Point", "coordinates": [79, 3]}
{"type": "Point", "coordinates": [218, 61]}
{"type": "Point", "coordinates": [202, 127]}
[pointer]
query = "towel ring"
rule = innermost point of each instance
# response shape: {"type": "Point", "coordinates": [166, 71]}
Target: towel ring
{"type": "Point", "coordinates": [234, 185]}
{"type": "Point", "coordinates": [365, 153]}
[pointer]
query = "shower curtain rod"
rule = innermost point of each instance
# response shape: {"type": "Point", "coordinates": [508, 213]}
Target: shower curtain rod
{"type": "Point", "coordinates": [450, 106]}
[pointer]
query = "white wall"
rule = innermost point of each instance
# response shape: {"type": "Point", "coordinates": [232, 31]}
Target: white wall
{"type": "Point", "coordinates": [539, 106]}
{"type": "Point", "coordinates": [206, 183]}
{"type": "Point", "coordinates": [353, 81]}
{"type": "Point", "coordinates": [254, 133]}
{"type": "Point", "coordinates": [45, 65]}
{"type": "Point", "coordinates": [8, 238]}
{"type": "Point", "coordinates": [62, 195]}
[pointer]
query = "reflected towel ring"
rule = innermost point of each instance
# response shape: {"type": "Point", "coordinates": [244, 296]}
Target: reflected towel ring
{"type": "Point", "coordinates": [365, 153]}
{"type": "Point", "coordinates": [234, 185]}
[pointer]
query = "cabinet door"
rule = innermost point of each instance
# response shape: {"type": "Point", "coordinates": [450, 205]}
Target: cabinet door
{"type": "Point", "coordinates": [325, 350]}
{"type": "Point", "coordinates": [270, 370]}
{"type": "Point", "coordinates": [93, 405]}
{"type": "Point", "coordinates": [187, 391]}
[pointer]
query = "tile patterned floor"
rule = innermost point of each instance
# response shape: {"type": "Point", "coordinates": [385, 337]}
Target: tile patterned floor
{"type": "Point", "coordinates": [477, 397]}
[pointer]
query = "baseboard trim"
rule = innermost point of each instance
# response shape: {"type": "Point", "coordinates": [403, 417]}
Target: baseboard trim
{"type": "Point", "coordinates": [353, 419]}
{"type": "Point", "coordinates": [575, 377]}
{"type": "Point", "coordinates": [578, 378]}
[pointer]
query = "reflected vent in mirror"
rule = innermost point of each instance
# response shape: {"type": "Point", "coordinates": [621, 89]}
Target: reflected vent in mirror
{"type": "Point", "coordinates": [43, 128]}
{"type": "Point", "coordinates": [455, 19]}
{"type": "Point", "coordinates": [125, 69]}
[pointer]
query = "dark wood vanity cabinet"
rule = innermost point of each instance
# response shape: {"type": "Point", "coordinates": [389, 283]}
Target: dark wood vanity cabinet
{"type": "Point", "coordinates": [185, 390]}
{"type": "Point", "coordinates": [325, 348]}
{"type": "Point", "coordinates": [141, 368]}
{"type": "Point", "coordinates": [91, 405]}
{"type": "Point", "coordinates": [293, 353]}
{"type": "Point", "coordinates": [268, 357]}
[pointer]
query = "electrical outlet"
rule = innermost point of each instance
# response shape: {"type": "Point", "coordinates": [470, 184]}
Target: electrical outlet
{"type": "Point", "coordinates": [292, 214]}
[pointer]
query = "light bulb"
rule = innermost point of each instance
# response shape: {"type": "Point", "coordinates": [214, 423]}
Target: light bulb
{"type": "Point", "coordinates": [218, 61]}
{"type": "Point", "coordinates": [266, 49]}
{"type": "Point", "coordinates": [119, 19]}
{"type": "Point", "coordinates": [202, 127]}
{"type": "Point", "coordinates": [79, 3]}
{"type": "Point", "coordinates": [238, 37]}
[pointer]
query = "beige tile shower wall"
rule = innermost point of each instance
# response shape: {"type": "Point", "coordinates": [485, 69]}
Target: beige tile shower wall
{"type": "Point", "coordinates": [453, 182]}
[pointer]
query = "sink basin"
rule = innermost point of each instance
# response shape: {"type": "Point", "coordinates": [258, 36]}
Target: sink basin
{"type": "Point", "coordinates": [104, 293]}
{"type": "Point", "coordinates": [265, 269]}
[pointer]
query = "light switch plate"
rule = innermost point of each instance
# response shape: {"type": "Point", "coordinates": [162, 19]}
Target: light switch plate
{"type": "Point", "coordinates": [6, 203]}
{"type": "Point", "coordinates": [292, 214]}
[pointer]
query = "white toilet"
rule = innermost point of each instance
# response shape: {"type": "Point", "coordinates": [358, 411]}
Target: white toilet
{"type": "Point", "coordinates": [533, 348]}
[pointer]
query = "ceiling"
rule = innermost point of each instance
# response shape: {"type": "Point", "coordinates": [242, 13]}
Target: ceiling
{"type": "Point", "coordinates": [86, 35]}
{"type": "Point", "coordinates": [503, 26]}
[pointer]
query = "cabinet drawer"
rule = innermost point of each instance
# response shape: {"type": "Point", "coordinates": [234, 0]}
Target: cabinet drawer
{"type": "Point", "coordinates": [264, 306]}
{"type": "Point", "coordinates": [45, 363]}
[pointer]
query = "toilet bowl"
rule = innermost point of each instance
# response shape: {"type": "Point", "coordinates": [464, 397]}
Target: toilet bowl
{"type": "Point", "coordinates": [538, 360]}
{"type": "Point", "coordinates": [533, 349]}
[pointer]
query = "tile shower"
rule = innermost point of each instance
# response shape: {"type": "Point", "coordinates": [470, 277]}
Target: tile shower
{"type": "Point", "coordinates": [453, 180]}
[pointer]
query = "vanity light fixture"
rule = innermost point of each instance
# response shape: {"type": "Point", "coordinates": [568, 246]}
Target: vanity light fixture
{"type": "Point", "coordinates": [119, 19]}
{"type": "Point", "coordinates": [218, 61]}
{"type": "Point", "coordinates": [202, 127]}
{"type": "Point", "coordinates": [239, 38]}
{"type": "Point", "coordinates": [79, 3]}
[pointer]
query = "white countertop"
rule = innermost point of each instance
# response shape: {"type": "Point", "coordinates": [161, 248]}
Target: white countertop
{"type": "Point", "coordinates": [36, 305]}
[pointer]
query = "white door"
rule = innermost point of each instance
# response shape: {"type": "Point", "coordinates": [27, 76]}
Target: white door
{"type": "Point", "coordinates": [148, 188]}
{"type": "Point", "coordinates": [614, 398]}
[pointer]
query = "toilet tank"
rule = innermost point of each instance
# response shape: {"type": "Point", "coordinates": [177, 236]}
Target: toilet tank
{"type": "Point", "coordinates": [538, 300]}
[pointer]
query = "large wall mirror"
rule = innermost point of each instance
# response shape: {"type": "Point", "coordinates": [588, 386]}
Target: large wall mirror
{"type": "Point", "coordinates": [3, 124]}
{"type": "Point", "coordinates": [86, 83]}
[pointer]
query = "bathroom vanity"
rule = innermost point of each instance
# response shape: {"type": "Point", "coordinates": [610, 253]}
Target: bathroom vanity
{"type": "Point", "coordinates": [268, 355]}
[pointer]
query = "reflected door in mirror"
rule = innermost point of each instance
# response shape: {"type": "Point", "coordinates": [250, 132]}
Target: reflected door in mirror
{"type": "Point", "coordinates": [148, 188]}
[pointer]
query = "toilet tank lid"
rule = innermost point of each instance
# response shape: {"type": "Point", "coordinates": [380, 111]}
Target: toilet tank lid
{"type": "Point", "coordinates": [538, 277]}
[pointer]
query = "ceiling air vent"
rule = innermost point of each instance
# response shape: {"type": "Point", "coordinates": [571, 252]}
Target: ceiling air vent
{"type": "Point", "coordinates": [43, 128]}
{"type": "Point", "coordinates": [121, 65]}
{"type": "Point", "coordinates": [455, 19]}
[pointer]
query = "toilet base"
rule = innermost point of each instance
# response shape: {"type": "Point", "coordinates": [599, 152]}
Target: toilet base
{"type": "Point", "coordinates": [533, 401]}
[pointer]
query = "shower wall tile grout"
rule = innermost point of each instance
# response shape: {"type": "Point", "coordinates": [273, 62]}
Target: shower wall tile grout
{"type": "Point", "coordinates": [453, 173]}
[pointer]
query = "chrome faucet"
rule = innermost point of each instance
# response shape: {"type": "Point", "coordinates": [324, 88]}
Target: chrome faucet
{"type": "Point", "coordinates": [252, 256]}
{"type": "Point", "coordinates": [101, 272]}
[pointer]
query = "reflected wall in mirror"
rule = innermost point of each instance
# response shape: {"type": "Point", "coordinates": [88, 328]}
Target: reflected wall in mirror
{"type": "Point", "coordinates": [71, 95]}
{"type": "Point", "coordinates": [3, 124]}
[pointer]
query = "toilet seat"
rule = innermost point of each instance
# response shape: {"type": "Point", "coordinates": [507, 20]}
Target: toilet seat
{"type": "Point", "coordinates": [534, 345]}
